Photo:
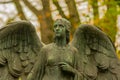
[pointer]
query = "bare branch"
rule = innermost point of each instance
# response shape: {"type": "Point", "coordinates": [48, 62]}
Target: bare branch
{"type": "Point", "coordinates": [32, 8]}
{"type": "Point", "coordinates": [55, 2]}
{"type": "Point", "coordinates": [19, 9]}
{"type": "Point", "coordinates": [6, 2]}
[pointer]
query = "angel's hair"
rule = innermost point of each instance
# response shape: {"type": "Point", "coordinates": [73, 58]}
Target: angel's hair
{"type": "Point", "coordinates": [64, 22]}
{"type": "Point", "coordinates": [67, 36]}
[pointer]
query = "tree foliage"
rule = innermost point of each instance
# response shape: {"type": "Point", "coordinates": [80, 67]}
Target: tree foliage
{"type": "Point", "coordinates": [108, 23]}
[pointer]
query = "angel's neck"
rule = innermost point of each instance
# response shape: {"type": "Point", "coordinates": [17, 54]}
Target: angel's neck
{"type": "Point", "coordinates": [61, 42]}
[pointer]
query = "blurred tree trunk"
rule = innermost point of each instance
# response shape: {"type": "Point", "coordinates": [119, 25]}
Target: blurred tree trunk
{"type": "Point", "coordinates": [45, 20]}
{"type": "Point", "coordinates": [19, 9]}
{"type": "Point", "coordinates": [73, 14]}
{"type": "Point", "coordinates": [49, 21]}
{"type": "Point", "coordinates": [94, 4]}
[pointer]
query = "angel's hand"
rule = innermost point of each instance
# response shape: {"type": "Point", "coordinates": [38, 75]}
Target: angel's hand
{"type": "Point", "coordinates": [66, 67]}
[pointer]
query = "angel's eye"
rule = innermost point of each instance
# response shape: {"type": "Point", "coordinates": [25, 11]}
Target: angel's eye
{"type": "Point", "coordinates": [61, 25]}
{"type": "Point", "coordinates": [55, 26]}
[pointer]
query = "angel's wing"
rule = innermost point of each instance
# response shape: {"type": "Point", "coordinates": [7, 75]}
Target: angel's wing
{"type": "Point", "coordinates": [19, 46]}
{"type": "Point", "coordinates": [98, 56]}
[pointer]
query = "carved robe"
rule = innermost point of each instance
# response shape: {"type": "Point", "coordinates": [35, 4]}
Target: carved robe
{"type": "Point", "coordinates": [47, 67]}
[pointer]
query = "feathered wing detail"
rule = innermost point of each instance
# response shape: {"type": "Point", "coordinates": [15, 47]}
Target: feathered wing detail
{"type": "Point", "coordinates": [97, 53]}
{"type": "Point", "coordinates": [19, 46]}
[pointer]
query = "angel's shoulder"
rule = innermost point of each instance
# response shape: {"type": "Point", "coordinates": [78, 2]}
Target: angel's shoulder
{"type": "Point", "coordinates": [47, 47]}
{"type": "Point", "coordinates": [74, 49]}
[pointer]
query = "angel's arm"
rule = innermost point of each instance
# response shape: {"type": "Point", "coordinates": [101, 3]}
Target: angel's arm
{"type": "Point", "coordinates": [38, 69]}
{"type": "Point", "coordinates": [77, 64]}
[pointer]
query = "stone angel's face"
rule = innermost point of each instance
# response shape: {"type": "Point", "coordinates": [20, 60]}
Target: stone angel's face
{"type": "Point", "coordinates": [59, 30]}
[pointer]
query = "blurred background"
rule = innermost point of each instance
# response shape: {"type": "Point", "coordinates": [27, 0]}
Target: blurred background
{"type": "Point", "coordinates": [42, 13]}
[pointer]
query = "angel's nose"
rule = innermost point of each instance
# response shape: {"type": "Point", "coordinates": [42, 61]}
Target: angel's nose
{"type": "Point", "coordinates": [57, 28]}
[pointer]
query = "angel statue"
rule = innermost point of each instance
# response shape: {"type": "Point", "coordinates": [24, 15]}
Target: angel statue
{"type": "Point", "coordinates": [89, 56]}
{"type": "Point", "coordinates": [19, 45]}
{"type": "Point", "coordinates": [58, 60]}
